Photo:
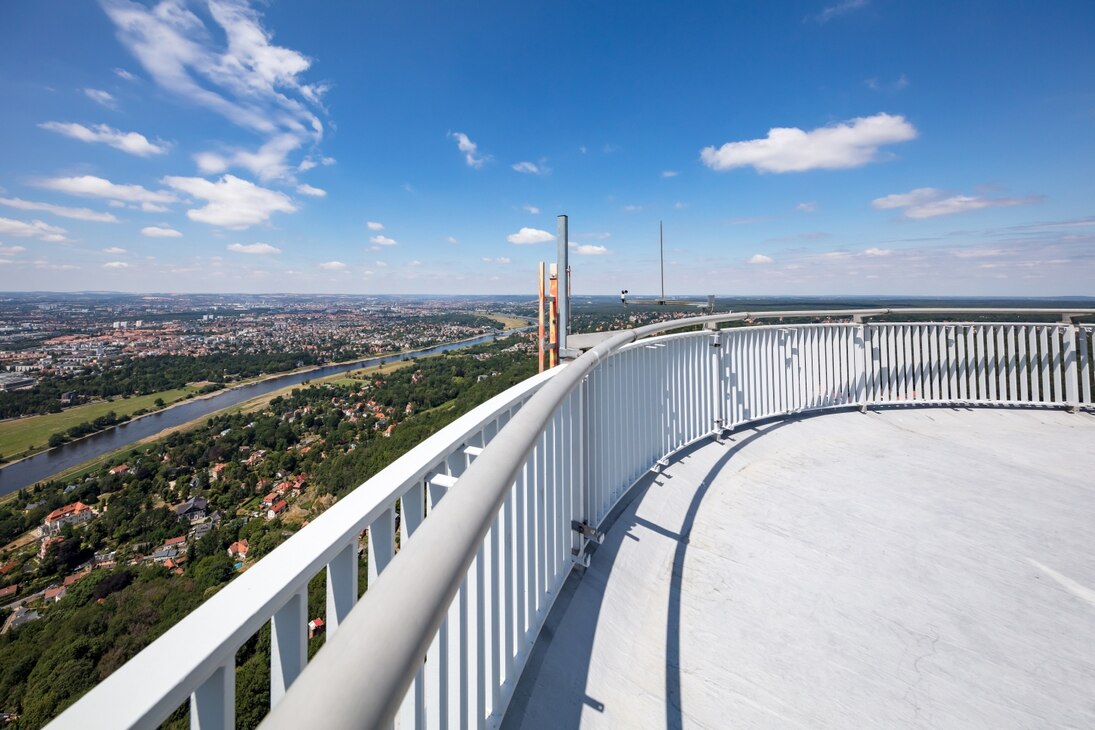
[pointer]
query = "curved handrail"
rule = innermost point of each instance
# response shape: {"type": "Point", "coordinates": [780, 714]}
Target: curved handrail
{"type": "Point", "coordinates": [394, 625]}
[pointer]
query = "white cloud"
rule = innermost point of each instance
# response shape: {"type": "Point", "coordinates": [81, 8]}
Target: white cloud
{"type": "Point", "coordinates": [11, 250]}
{"type": "Point", "coordinates": [500, 260]}
{"type": "Point", "coordinates": [34, 229]}
{"type": "Point", "coordinates": [268, 162]}
{"type": "Point", "coordinates": [333, 266]}
{"type": "Point", "coordinates": [416, 262]}
{"type": "Point", "coordinates": [312, 191]}
{"type": "Point", "coordinates": [374, 226]}
{"type": "Point", "coordinates": [81, 214]}
{"type": "Point", "coordinates": [453, 240]}
{"type": "Point", "coordinates": [97, 187]}
{"type": "Point", "coordinates": [680, 206]}
{"type": "Point", "coordinates": [254, 248]}
{"type": "Point", "coordinates": [588, 249]}
{"type": "Point", "coordinates": [531, 209]}
{"type": "Point", "coordinates": [115, 250]}
{"type": "Point", "coordinates": [382, 264]}
{"type": "Point", "coordinates": [875, 251]}
{"type": "Point", "coordinates": [230, 67]}
{"type": "Point", "coordinates": [158, 232]}
{"type": "Point", "coordinates": [670, 173]}
{"type": "Point", "coordinates": [632, 208]}
{"type": "Point", "coordinates": [131, 142]}
{"type": "Point", "coordinates": [529, 168]}
{"type": "Point", "coordinates": [932, 203]}
{"type": "Point", "coordinates": [102, 97]}
{"type": "Point", "coordinates": [115, 265]}
{"type": "Point", "coordinates": [530, 235]}
{"type": "Point", "coordinates": [809, 207]}
{"type": "Point", "coordinates": [841, 8]}
{"type": "Point", "coordinates": [849, 144]}
{"type": "Point", "coordinates": [382, 240]}
{"type": "Point", "coordinates": [231, 201]}
{"type": "Point", "coordinates": [760, 258]}
{"type": "Point", "coordinates": [470, 150]}
{"type": "Point", "coordinates": [123, 74]}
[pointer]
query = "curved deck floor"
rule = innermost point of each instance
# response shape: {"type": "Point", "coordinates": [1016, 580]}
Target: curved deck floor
{"type": "Point", "coordinates": [904, 568]}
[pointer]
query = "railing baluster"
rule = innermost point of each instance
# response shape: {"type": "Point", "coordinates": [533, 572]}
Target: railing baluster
{"type": "Point", "coordinates": [213, 703]}
{"type": "Point", "coordinates": [341, 587]}
{"type": "Point", "coordinates": [288, 644]}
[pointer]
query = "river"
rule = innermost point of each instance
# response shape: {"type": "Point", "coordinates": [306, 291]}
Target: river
{"type": "Point", "coordinates": [46, 464]}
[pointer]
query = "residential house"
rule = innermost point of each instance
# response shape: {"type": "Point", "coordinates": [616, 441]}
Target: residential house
{"type": "Point", "coordinates": [239, 549]}
{"type": "Point", "coordinates": [71, 514]}
{"type": "Point", "coordinates": [315, 626]}
{"type": "Point", "coordinates": [9, 591]}
{"type": "Point", "coordinates": [277, 509]}
{"type": "Point", "coordinates": [192, 509]}
{"type": "Point", "coordinates": [55, 594]}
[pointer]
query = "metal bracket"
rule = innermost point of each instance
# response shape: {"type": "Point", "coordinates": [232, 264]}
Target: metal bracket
{"type": "Point", "coordinates": [587, 531]}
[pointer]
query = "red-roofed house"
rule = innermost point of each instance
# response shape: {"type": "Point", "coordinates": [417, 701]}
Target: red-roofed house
{"type": "Point", "coordinates": [175, 541]}
{"type": "Point", "coordinates": [315, 626]}
{"type": "Point", "coordinates": [269, 499]}
{"type": "Point", "coordinates": [70, 514]}
{"type": "Point", "coordinates": [120, 469]}
{"type": "Point", "coordinates": [53, 595]}
{"type": "Point", "coordinates": [70, 579]}
{"type": "Point", "coordinates": [276, 509]}
{"type": "Point", "coordinates": [9, 591]}
{"type": "Point", "coordinates": [239, 549]}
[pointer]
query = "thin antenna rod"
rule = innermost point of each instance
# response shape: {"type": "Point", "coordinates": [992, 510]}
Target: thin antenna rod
{"type": "Point", "coordinates": [661, 251]}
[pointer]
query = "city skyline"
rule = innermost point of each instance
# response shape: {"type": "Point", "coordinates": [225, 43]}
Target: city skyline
{"type": "Point", "coordinates": [850, 147]}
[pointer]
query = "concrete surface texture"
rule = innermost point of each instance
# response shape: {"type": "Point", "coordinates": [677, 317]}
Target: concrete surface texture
{"type": "Point", "coordinates": [903, 568]}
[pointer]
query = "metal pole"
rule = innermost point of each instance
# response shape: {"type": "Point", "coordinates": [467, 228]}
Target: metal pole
{"type": "Point", "coordinates": [563, 306]}
{"type": "Point", "coordinates": [540, 309]}
{"type": "Point", "coordinates": [661, 254]}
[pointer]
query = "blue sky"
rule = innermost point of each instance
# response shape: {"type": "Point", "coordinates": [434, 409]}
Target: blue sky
{"type": "Point", "coordinates": [829, 147]}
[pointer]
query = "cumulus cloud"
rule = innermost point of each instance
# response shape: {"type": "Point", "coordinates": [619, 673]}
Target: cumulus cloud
{"type": "Point", "coordinates": [670, 173]}
{"type": "Point", "coordinates": [33, 229]}
{"type": "Point", "coordinates": [760, 258]}
{"type": "Point", "coordinates": [231, 202]}
{"type": "Point", "coordinates": [632, 208]}
{"type": "Point", "coordinates": [11, 250]}
{"type": "Point", "coordinates": [788, 149]}
{"type": "Point", "coordinates": [131, 142]}
{"type": "Point", "coordinates": [114, 250]}
{"type": "Point", "coordinates": [531, 209]}
{"type": "Point", "coordinates": [470, 150]}
{"type": "Point", "coordinates": [230, 67]}
{"type": "Point", "coordinates": [530, 235]}
{"type": "Point", "coordinates": [809, 207]}
{"type": "Point", "coordinates": [312, 191]}
{"type": "Point", "coordinates": [268, 162]}
{"type": "Point", "coordinates": [261, 249]}
{"type": "Point", "coordinates": [102, 97]}
{"type": "Point", "coordinates": [115, 265]}
{"type": "Point", "coordinates": [333, 266]}
{"type": "Point", "coordinates": [90, 186]}
{"type": "Point", "coordinates": [453, 240]}
{"type": "Point", "coordinates": [500, 260]}
{"type": "Point", "coordinates": [80, 214]}
{"type": "Point", "coordinates": [382, 240]}
{"type": "Point", "coordinates": [416, 262]}
{"type": "Point", "coordinates": [932, 203]}
{"type": "Point", "coordinates": [160, 232]}
{"type": "Point", "coordinates": [374, 226]}
{"type": "Point", "coordinates": [123, 74]}
{"type": "Point", "coordinates": [588, 249]}
{"type": "Point", "coordinates": [875, 251]}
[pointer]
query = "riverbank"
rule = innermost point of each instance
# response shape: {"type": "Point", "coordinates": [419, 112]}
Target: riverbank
{"type": "Point", "coordinates": [55, 463]}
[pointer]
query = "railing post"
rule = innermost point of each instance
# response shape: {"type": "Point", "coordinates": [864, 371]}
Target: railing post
{"type": "Point", "coordinates": [865, 366]}
{"type": "Point", "coordinates": [1071, 372]}
{"type": "Point", "coordinates": [341, 586]}
{"type": "Point", "coordinates": [213, 704]}
{"type": "Point", "coordinates": [288, 644]}
{"type": "Point", "coordinates": [381, 536]}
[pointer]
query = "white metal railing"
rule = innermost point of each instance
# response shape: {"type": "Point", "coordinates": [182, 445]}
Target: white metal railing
{"type": "Point", "coordinates": [498, 507]}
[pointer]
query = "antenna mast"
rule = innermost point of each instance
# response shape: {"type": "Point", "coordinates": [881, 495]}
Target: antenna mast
{"type": "Point", "coordinates": [661, 252]}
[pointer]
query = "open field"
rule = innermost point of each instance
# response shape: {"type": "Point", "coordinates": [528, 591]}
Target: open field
{"type": "Point", "coordinates": [18, 435]}
{"type": "Point", "coordinates": [507, 321]}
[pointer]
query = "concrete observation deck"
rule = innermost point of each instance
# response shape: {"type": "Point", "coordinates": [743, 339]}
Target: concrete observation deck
{"type": "Point", "coordinates": [900, 568]}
